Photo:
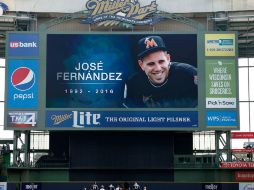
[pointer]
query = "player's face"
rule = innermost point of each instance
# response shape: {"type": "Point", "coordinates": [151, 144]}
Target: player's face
{"type": "Point", "coordinates": [155, 65]}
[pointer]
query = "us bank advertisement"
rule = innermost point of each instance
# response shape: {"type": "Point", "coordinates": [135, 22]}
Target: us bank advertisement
{"type": "Point", "coordinates": [23, 45]}
{"type": "Point", "coordinates": [120, 81]}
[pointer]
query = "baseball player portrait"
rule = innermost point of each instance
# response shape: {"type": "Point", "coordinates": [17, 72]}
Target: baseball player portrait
{"type": "Point", "coordinates": [160, 83]}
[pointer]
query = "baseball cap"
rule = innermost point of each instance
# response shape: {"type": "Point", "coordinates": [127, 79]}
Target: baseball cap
{"type": "Point", "coordinates": [149, 45]}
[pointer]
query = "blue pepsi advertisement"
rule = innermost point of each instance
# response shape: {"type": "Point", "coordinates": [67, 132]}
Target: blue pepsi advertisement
{"type": "Point", "coordinates": [221, 119]}
{"type": "Point", "coordinates": [117, 119]}
{"type": "Point", "coordinates": [106, 71]}
{"type": "Point", "coordinates": [23, 44]}
{"type": "Point", "coordinates": [22, 83]}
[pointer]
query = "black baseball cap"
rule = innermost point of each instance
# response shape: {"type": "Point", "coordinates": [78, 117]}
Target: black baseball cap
{"type": "Point", "coordinates": [149, 45]}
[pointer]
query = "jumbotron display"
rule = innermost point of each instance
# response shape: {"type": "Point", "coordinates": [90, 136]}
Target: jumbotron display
{"type": "Point", "coordinates": [121, 81]}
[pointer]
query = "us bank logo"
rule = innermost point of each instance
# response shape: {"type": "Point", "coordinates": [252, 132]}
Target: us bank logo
{"type": "Point", "coordinates": [23, 44]}
{"type": "Point", "coordinates": [23, 78]}
{"type": "Point", "coordinates": [22, 83]}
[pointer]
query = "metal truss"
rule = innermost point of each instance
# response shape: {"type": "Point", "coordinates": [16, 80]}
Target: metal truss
{"type": "Point", "coordinates": [223, 146]}
{"type": "Point", "coordinates": [21, 149]}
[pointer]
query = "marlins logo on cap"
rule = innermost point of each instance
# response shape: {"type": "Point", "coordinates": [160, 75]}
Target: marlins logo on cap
{"type": "Point", "coordinates": [23, 78]}
{"type": "Point", "coordinates": [149, 45]}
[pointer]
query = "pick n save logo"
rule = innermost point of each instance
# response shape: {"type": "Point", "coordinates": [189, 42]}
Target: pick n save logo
{"type": "Point", "coordinates": [21, 44]}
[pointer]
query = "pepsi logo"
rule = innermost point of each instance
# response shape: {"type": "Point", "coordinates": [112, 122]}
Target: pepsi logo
{"type": "Point", "coordinates": [23, 78]}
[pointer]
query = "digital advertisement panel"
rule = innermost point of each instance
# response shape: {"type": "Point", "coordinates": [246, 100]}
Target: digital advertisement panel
{"type": "Point", "coordinates": [220, 83]}
{"type": "Point", "coordinates": [23, 44]}
{"type": "Point", "coordinates": [220, 45]}
{"type": "Point", "coordinates": [22, 83]}
{"type": "Point", "coordinates": [221, 119]}
{"type": "Point", "coordinates": [22, 119]}
{"type": "Point", "coordinates": [116, 119]}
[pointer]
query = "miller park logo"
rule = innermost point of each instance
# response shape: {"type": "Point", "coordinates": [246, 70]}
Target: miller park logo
{"type": "Point", "coordinates": [128, 11]}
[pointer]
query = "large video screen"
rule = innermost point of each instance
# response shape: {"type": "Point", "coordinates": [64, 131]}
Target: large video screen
{"type": "Point", "coordinates": [121, 81]}
{"type": "Point", "coordinates": [105, 71]}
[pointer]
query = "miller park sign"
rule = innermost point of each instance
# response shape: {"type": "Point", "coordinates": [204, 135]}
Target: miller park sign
{"type": "Point", "coordinates": [128, 11]}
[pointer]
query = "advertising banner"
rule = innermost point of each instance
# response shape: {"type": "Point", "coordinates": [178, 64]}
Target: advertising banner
{"type": "Point", "coordinates": [23, 44]}
{"type": "Point", "coordinates": [22, 119]}
{"type": "Point", "coordinates": [246, 186]}
{"type": "Point", "coordinates": [116, 119]}
{"type": "Point", "coordinates": [3, 185]}
{"type": "Point", "coordinates": [221, 119]}
{"type": "Point", "coordinates": [211, 186]}
{"type": "Point", "coordinates": [244, 175]}
{"type": "Point", "coordinates": [31, 186]}
{"type": "Point", "coordinates": [242, 150]}
{"type": "Point", "coordinates": [220, 45]}
{"type": "Point", "coordinates": [237, 164]}
{"type": "Point", "coordinates": [121, 81]}
{"type": "Point", "coordinates": [242, 135]}
{"type": "Point", "coordinates": [107, 71]}
{"type": "Point", "coordinates": [143, 185]}
{"type": "Point", "coordinates": [220, 83]}
{"type": "Point", "coordinates": [22, 83]}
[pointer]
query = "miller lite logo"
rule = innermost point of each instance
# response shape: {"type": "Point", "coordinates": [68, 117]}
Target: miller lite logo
{"type": "Point", "coordinates": [31, 186]}
{"type": "Point", "coordinates": [23, 78]}
{"type": "Point", "coordinates": [75, 119]}
{"type": "Point", "coordinates": [150, 43]}
{"type": "Point", "coordinates": [82, 118]}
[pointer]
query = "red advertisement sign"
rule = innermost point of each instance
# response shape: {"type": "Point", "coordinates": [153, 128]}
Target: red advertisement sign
{"type": "Point", "coordinates": [244, 176]}
{"type": "Point", "coordinates": [237, 165]}
{"type": "Point", "coordinates": [242, 150]}
{"type": "Point", "coordinates": [242, 135]}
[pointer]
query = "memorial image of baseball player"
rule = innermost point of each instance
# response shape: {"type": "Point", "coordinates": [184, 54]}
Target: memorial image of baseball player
{"type": "Point", "coordinates": [160, 83]}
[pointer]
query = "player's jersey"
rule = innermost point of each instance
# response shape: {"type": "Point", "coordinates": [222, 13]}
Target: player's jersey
{"type": "Point", "coordinates": [179, 90]}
